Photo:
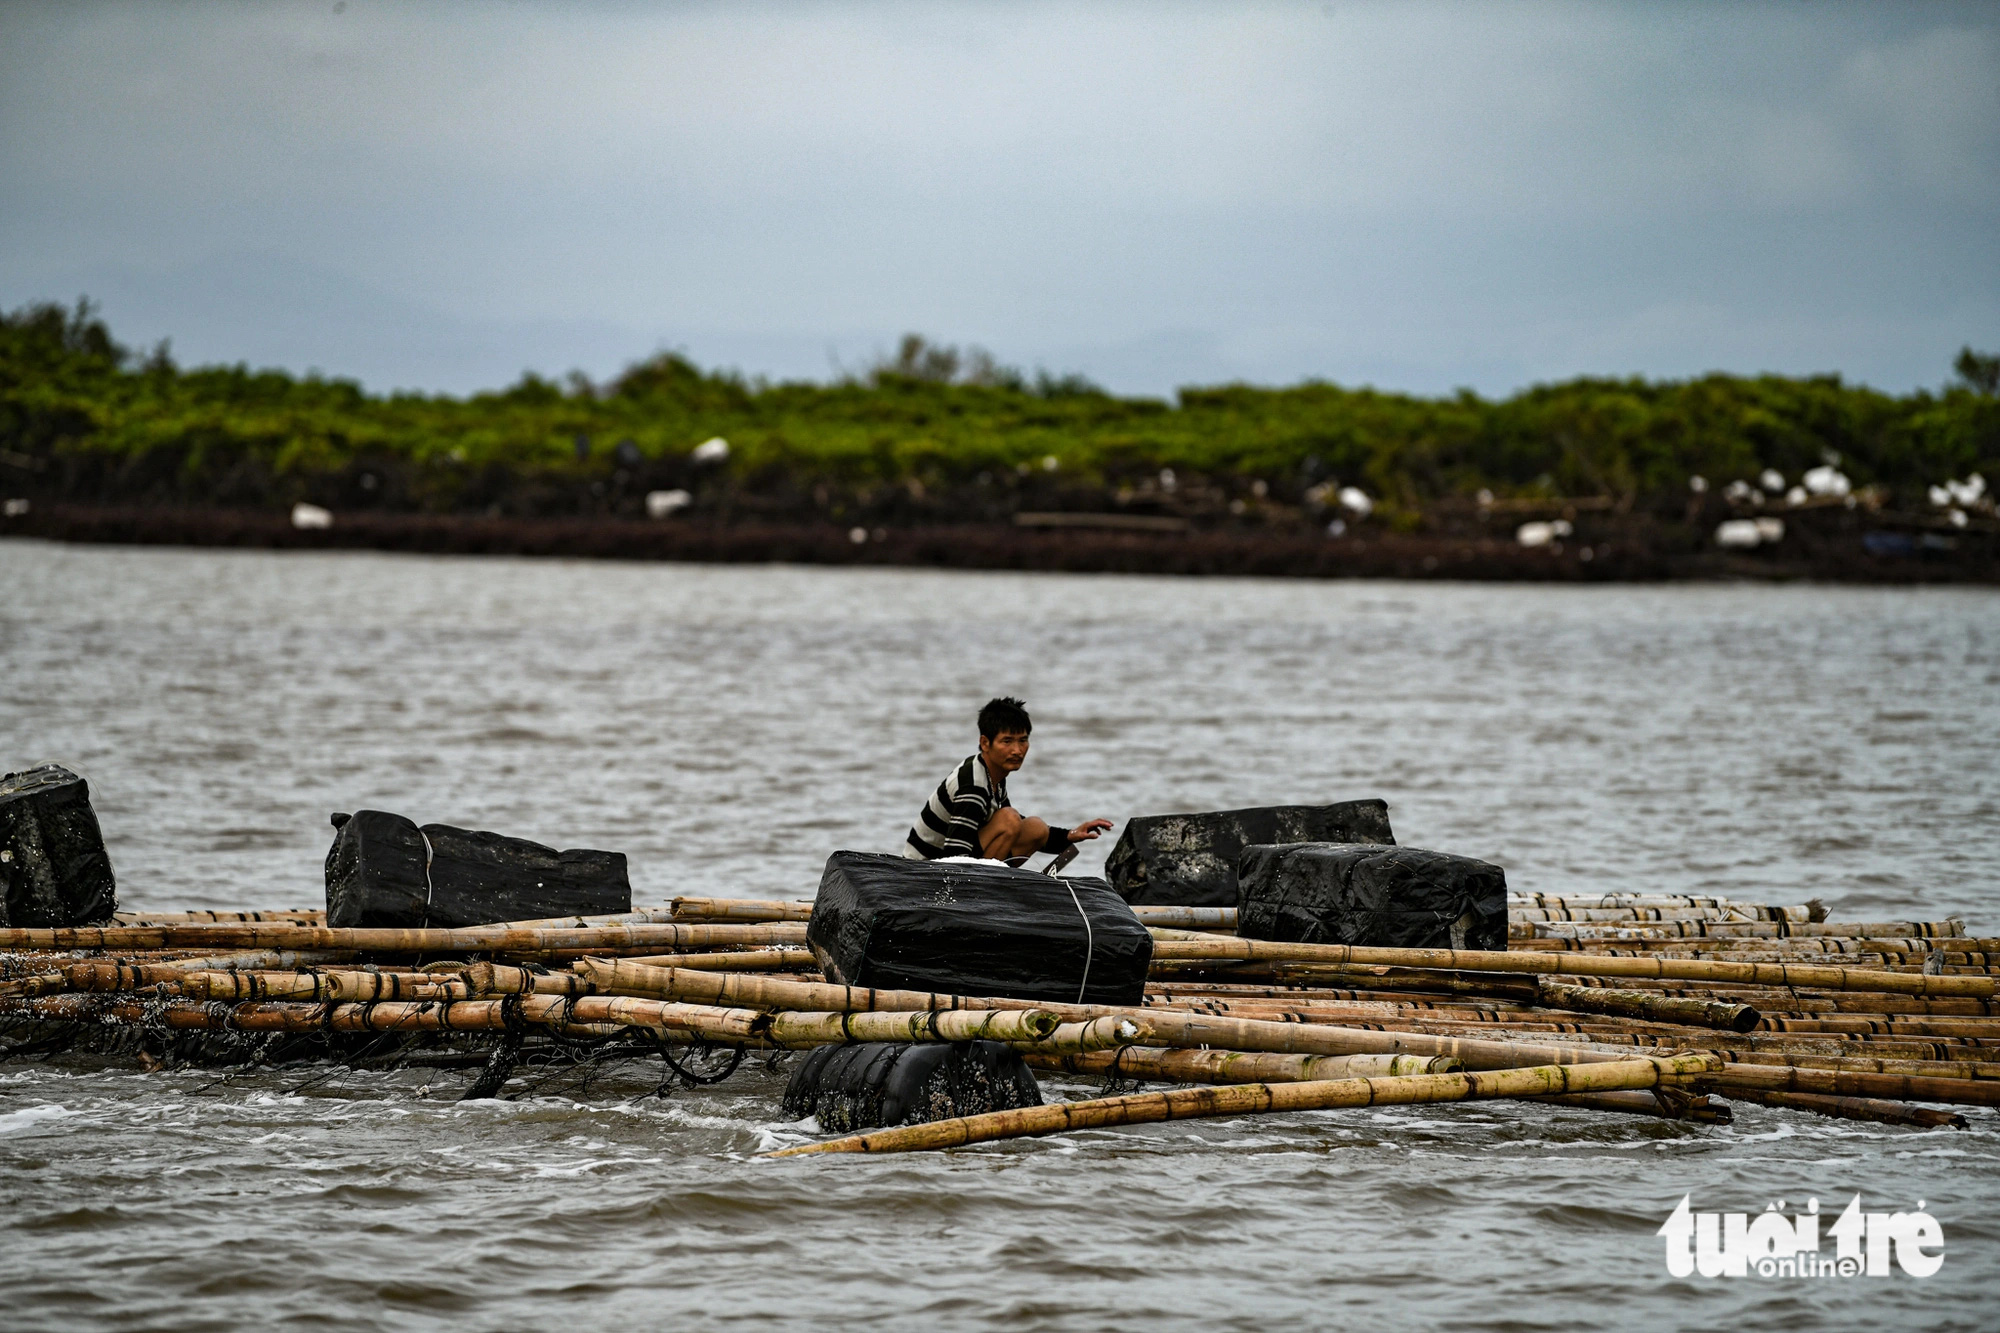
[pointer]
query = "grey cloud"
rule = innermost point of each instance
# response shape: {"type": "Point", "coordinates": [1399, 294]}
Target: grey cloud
{"type": "Point", "coordinates": [1418, 195]}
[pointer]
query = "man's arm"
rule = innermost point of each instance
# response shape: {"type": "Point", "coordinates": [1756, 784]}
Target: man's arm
{"type": "Point", "coordinates": [1087, 831]}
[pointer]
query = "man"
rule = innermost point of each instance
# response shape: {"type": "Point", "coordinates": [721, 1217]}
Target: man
{"type": "Point", "coordinates": [969, 814]}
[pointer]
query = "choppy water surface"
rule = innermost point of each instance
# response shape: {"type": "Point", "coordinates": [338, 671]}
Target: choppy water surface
{"type": "Point", "coordinates": [728, 727]}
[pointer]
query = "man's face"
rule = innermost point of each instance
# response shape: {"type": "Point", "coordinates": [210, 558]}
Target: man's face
{"type": "Point", "coordinates": [1004, 753]}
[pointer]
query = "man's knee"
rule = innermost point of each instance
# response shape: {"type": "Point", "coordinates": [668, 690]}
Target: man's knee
{"type": "Point", "coordinates": [1026, 832]}
{"type": "Point", "coordinates": [998, 834]}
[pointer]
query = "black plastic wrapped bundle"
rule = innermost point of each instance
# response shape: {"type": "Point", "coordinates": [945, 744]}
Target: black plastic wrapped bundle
{"type": "Point", "coordinates": [53, 867]}
{"type": "Point", "coordinates": [895, 1083]}
{"type": "Point", "coordinates": [1383, 897]}
{"type": "Point", "coordinates": [1190, 860]}
{"type": "Point", "coordinates": [384, 871]}
{"type": "Point", "coordinates": [976, 928]}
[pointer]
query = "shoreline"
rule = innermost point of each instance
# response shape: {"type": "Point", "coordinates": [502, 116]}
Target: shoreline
{"type": "Point", "coordinates": [1830, 556]}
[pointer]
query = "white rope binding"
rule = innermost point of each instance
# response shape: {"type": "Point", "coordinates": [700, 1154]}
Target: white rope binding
{"type": "Point", "coordinates": [429, 889]}
{"type": "Point", "coordinates": [1089, 941]}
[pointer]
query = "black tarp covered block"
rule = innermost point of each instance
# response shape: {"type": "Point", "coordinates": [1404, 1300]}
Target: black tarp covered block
{"type": "Point", "coordinates": [877, 1083]}
{"type": "Point", "coordinates": [53, 867]}
{"type": "Point", "coordinates": [976, 928]}
{"type": "Point", "coordinates": [1190, 860]}
{"type": "Point", "coordinates": [384, 871]}
{"type": "Point", "coordinates": [1383, 897]}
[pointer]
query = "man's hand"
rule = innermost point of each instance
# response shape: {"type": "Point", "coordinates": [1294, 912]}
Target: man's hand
{"type": "Point", "coordinates": [1089, 829]}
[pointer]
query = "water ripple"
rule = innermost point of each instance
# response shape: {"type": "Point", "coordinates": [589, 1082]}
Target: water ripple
{"type": "Point", "coordinates": [728, 727]}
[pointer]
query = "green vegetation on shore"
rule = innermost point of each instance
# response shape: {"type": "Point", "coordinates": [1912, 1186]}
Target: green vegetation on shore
{"type": "Point", "coordinates": [118, 425]}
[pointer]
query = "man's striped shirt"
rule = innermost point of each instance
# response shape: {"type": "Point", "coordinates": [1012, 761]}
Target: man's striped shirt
{"type": "Point", "coordinates": [950, 821]}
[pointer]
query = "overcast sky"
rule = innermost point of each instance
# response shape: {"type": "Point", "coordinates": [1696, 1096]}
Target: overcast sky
{"type": "Point", "coordinates": [1411, 195]}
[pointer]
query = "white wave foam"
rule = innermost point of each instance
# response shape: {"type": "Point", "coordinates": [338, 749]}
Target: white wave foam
{"type": "Point", "coordinates": [15, 1121]}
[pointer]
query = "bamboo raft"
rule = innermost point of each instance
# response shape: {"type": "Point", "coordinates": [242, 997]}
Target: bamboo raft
{"type": "Point", "coordinates": [1656, 1005]}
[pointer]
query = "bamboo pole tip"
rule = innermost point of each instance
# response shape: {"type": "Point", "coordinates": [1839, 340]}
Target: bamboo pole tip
{"type": "Point", "coordinates": [1039, 1022]}
{"type": "Point", "coordinates": [796, 1150]}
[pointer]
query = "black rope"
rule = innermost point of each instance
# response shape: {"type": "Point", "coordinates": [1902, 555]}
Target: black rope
{"type": "Point", "coordinates": [513, 1016]}
{"type": "Point", "coordinates": [69, 1035]}
{"type": "Point", "coordinates": [560, 1057]}
{"type": "Point", "coordinates": [260, 1054]}
{"type": "Point", "coordinates": [340, 1065]}
{"type": "Point", "coordinates": [694, 1080]}
{"type": "Point", "coordinates": [499, 1068]}
{"type": "Point", "coordinates": [1116, 1082]}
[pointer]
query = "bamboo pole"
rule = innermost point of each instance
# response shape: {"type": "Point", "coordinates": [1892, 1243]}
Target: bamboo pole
{"type": "Point", "coordinates": [629, 976]}
{"type": "Point", "coordinates": [1169, 1029]}
{"type": "Point", "coordinates": [1982, 1028]}
{"type": "Point", "coordinates": [262, 960]}
{"type": "Point", "coordinates": [641, 938]}
{"type": "Point", "coordinates": [1179, 945]}
{"type": "Point", "coordinates": [709, 1022]}
{"type": "Point", "coordinates": [1955, 1070]}
{"type": "Point", "coordinates": [793, 1030]}
{"type": "Point", "coordinates": [1905, 936]}
{"type": "Point", "coordinates": [366, 987]}
{"type": "Point", "coordinates": [641, 916]}
{"type": "Point", "coordinates": [1307, 979]}
{"type": "Point", "coordinates": [1169, 1065]}
{"type": "Point", "coordinates": [1770, 934]}
{"type": "Point", "coordinates": [1763, 1077]}
{"type": "Point", "coordinates": [1486, 1023]}
{"type": "Point", "coordinates": [1198, 1030]}
{"type": "Point", "coordinates": [381, 985]}
{"type": "Point", "coordinates": [608, 939]}
{"type": "Point", "coordinates": [263, 984]}
{"type": "Point", "coordinates": [1753, 948]}
{"type": "Point", "coordinates": [1220, 919]}
{"type": "Point", "coordinates": [1696, 1109]}
{"type": "Point", "coordinates": [500, 979]}
{"type": "Point", "coordinates": [355, 986]}
{"type": "Point", "coordinates": [299, 916]}
{"type": "Point", "coordinates": [1608, 1032]}
{"type": "Point", "coordinates": [741, 909]}
{"type": "Point", "coordinates": [757, 960]}
{"type": "Point", "coordinates": [682, 910]}
{"type": "Point", "coordinates": [1953, 962]}
{"type": "Point", "coordinates": [589, 1014]}
{"type": "Point", "coordinates": [419, 1016]}
{"type": "Point", "coordinates": [1261, 1098]}
{"type": "Point", "coordinates": [491, 1015]}
{"type": "Point", "coordinates": [97, 976]}
{"type": "Point", "coordinates": [86, 974]}
{"type": "Point", "coordinates": [243, 986]}
{"type": "Point", "coordinates": [1530, 898]}
{"type": "Point", "coordinates": [1637, 913]}
{"type": "Point", "coordinates": [1933, 1059]}
{"type": "Point", "coordinates": [1643, 1006]}
{"type": "Point", "coordinates": [1853, 1108]}
{"type": "Point", "coordinates": [1096, 1034]}
{"type": "Point", "coordinates": [827, 1029]}
{"type": "Point", "coordinates": [271, 1016]}
{"type": "Point", "coordinates": [1364, 1012]}
{"type": "Point", "coordinates": [1489, 1021]}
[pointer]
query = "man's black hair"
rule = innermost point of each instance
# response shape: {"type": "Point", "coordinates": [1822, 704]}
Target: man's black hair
{"type": "Point", "coordinates": [1003, 715]}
